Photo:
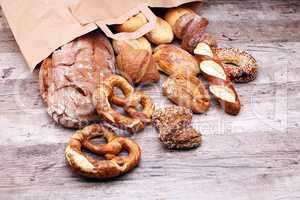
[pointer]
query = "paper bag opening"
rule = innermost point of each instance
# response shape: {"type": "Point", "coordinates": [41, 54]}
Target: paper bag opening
{"type": "Point", "coordinates": [42, 26]}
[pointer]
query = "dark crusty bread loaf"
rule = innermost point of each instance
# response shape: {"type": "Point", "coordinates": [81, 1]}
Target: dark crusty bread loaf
{"type": "Point", "coordinates": [70, 75]}
{"type": "Point", "coordinates": [174, 126]}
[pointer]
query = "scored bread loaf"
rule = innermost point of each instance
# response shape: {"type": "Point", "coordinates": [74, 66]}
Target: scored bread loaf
{"type": "Point", "coordinates": [189, 27]}
{"type": "Point", "coordinates": [171, 59]}
{"type": "Point", "coordinates": [69, 76]}
{"type": "Point", "coordinates": [135, 62]}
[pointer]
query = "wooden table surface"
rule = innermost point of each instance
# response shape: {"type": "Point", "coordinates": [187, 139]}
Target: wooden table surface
{"type": "Point", "coordinates": [255, 155]}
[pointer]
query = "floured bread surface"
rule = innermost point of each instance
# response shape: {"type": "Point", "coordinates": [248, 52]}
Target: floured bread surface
{"type": "Point", "coordinates": [69, 77]}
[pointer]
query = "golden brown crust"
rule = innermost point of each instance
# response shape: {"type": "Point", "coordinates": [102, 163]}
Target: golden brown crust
{"type": "Point", "coordinates": [132, 24]}
{"type": "Point", "coordinates": [220, 84]}
{"type": "Point", "coordinates": [181, 24]}
{"type": "Point", "coordinates": [193, 33]}
{"type": "Point", "coordinates": [113, 165]}
{"type": "Point", "coordinates": [187, 92]}
{"type": "Point", "coordinates": [161, 34]}
{"type": "Point", "coordinates": [43, 79]}
{"type": "Point", "coordinates": [104, 96]}
{"type": "Point", "coordinates": [239, 65]}
{"type": "Point", "coordinates": [145, 101]}
{"type": "Point", "coordinates": [139, 43]}
{"type": "Point", "coordinates": [189, 27]}
{"type": "Point", "coordinates": [171, 59]}
{"type": "Point", "coordinates": [134, 63]}
{"type": "Point", "coordinates": [173, 14]}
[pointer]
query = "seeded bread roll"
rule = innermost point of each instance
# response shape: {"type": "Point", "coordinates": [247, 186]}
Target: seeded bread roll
{"type": "Point", "coordinates": [174, 126]}
{"type": "Point", "coordinates": [239, 65]}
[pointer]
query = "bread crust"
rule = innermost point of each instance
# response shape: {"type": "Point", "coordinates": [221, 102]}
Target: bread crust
{"type": "Point", "coordinates": [161, 34]}
{"type": "Point", "coordinates": [132, 24]}
{"type": "Point", "coordinates": [104, 97]}
{"type": "Point", "coordinates": [69, 76]}
{"type": "Point", "coordinates": [171, 59]}
{"type": "Point", "coordinates": [219, 83]}
{"type": "Point", "coordinates": [189, 27]}
{"type": "Point", "coordinates": [188, 92]}
{"type": "Point", "coordinates": [113, 165]}
{"type": "Point", "coordinates": [174, 126]}
{"type": "Point", "coordinates": [239, 65]}
{"type": "Point", "coordinates": [172, 15]}
{"type": "Point", "coordinates": [135, 62]}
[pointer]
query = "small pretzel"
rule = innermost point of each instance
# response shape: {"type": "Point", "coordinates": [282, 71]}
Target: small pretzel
{"type": "Point", "coordinates": [239, 65]}
{"type": "Point", "coordinates": [104, 96]}
{"type": "Point", "coordinates": [148, 107]}
{"type": "Point", "coordinates": [113, 165]}
{"type": "Point", "coordinates": [117, 81]}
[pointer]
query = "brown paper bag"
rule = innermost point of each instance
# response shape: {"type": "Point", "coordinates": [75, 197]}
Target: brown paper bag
{"type": "Point", "coordinates": [41, 26]}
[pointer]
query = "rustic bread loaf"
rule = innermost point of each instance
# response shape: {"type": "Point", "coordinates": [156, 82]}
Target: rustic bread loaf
{"type": "Point", "coordinates": [135, 62]}
{"type": "Point", "coordinates": [69, 76]}
{"type": "Point", "coordinates": [174, 126]}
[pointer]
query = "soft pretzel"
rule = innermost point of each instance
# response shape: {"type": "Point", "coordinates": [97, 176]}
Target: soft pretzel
{"type": "Point", "coordinates": [104, 96]}
{"type": "Point", "coordinates": [189, 27]}
{"type": "Point", "coordinates": [220, 84]}
{"type": "Point", "coordinates": [113, 165]}
{"type": "Point", "coordinates": [135, 62]}
{"type": "Point", "coordinates": [187, 91]}
{"type": "Point", "coordinates": [239, 65]}
{"type": "Point", "coordinates": [171, 59]}
{"type": "Point", "coordinates": [133, 102]}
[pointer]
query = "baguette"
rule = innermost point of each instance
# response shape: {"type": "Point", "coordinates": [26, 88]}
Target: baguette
{"type": "Point", "coordinates": [220, 84]}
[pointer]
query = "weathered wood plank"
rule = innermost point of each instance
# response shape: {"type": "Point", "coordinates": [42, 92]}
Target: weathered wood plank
{"type": "Point", "coordinates": [252, 156]}
{"type": "Point", "coordinates": [251, 10]}
{"type": "Point", "coordinates": [255, 31]}
{"type": "Point", "coordinates": [237, 162]}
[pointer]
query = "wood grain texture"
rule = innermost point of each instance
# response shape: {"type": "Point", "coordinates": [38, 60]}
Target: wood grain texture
{"type": "Point", "coordinates": [255, 155]}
